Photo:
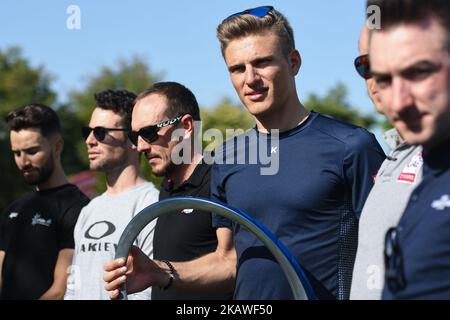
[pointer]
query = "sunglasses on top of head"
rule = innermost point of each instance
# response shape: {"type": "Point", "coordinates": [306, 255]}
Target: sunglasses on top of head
{"type": "Point", "coordinates": [257, 12]}
{"type": "Point", "coordinates": [99, 132]}
{"type": "Point", "coordinates": [150, 133]}
{"type": "Point", "coordinates": [362, 66]}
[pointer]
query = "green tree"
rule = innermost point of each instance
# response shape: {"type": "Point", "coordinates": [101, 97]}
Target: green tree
{"type": "Point", "coordinates": [133, 75]}
{"type": "Point", "coordinates": [20, 83]}
{"type": "Point", "coordinates": [225, 115]}
{"type": "Point", "coordinates": [335, 104]}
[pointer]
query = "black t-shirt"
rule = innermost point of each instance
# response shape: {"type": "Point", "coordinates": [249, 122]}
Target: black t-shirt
{"type": "Point", "coordinates": [33, 230]}
{"type": "Point", "coordinates": [186, 235]}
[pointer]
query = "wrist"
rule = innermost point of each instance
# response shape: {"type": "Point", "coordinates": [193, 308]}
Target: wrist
{"type": "Point", "coordinates": [170, 270]}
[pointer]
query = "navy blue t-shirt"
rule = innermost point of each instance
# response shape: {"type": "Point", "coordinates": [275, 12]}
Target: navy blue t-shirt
{"type": "Point", "coordinates": [423, 234]}
{"type": "Point", "coordinates": [312, 203]}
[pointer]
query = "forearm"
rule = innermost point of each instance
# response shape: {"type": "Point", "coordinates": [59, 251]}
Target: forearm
{"type": "Point", "coordinates": [55, 292]}
{"type": "Point", "coordinates": [58, 287]}
{"type": "Point", "coordinates": [212, 272]}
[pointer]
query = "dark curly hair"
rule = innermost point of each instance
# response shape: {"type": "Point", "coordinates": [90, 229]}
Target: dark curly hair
{"type": "Point", "coordinates": [118, 101]}
{"type": "Point", "coordinates": [34, 115]}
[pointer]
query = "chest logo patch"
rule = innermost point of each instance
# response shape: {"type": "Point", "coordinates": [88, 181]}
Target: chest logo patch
{"type": "Point", "coordinates": [99, 230]}
{"type": "Point", "coordinates": [410, 171]}
{"type": "Point", "coordinates": [37, 219]}
{"type": "Point", "coordinates": [187, 211]}
{"type": "Point", "coordinates": [442, 203]}
{"type": "Point", "coordinates": [13, 215]}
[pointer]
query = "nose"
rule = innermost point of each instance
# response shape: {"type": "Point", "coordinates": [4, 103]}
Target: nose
{"type": "Point", "coordinates": [23, 160]}
{"type": "Point", "coordinates": [90, 140]}
{"type": "Point", "coordinates": [142, 145]}
{"type": "Point", "coordinates": [251, 75]}
{"type": "Point", "coordinates": [401, 95]}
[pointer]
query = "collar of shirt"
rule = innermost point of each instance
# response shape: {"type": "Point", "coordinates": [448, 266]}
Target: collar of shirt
{"type": "Point", "coordinates": [437, 160]}
{"type": "Point", "coordinates": [194, 180]}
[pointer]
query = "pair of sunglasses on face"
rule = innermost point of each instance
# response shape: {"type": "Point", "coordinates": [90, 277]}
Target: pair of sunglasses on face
{"type": "Point", "coordinates": [150, 133]}
{"type": "Point", "coordinates": [362, 66]}
{"type": "Point", "coordinates": [99, 132]}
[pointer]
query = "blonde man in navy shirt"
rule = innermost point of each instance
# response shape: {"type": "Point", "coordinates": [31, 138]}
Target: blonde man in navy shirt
{"type": "Point", "coordinates": [311, 195]}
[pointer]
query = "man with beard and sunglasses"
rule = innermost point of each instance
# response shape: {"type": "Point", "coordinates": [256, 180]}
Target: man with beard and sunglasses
{"type": "Point", "coordinates": [36, 231]}
{"type": "Point", "coordinates": [102, 222]}
{"type": "Point", "coordinates": [397, 177]}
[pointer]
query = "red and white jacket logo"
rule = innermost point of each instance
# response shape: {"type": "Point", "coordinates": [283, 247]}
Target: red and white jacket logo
{"type": "Point", "coordinates": [410, 171]}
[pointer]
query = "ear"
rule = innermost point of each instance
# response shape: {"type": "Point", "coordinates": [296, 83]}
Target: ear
{"type": "Point", "coordinates": [187, 122]}
{"type": "Point", "coordinates": [295, 61]}
{"type": "Point", "coordinates": [58, 146]}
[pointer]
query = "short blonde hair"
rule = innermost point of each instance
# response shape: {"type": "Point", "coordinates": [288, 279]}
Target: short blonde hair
{"type": "Point", "coordinates": [246, 24]}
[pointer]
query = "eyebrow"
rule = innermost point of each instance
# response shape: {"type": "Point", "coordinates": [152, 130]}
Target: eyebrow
{"type": "Point", "coordinates": [254, 61]}
{"type": "Point", "coordinates": [26, 149]}
{"type": "Point", "coordinates": [405, 71]}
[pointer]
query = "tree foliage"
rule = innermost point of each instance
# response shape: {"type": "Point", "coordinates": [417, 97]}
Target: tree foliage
{"type": "Point", "coordinates": [335, 104]}
{"type": "Point", "coordinates": [21, 83]}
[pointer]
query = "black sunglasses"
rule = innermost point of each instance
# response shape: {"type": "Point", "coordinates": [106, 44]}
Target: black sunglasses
{"type": "Point", "coordinates": [99, 132]}
{"type": "Point", "coordinates": [150, 133]}
{"type": "Point", "coordinates": [393, 260]}
{"type": "Point", "coordinates": [362, 65]}
{"type": "Point", "coordinates": [257, 12]}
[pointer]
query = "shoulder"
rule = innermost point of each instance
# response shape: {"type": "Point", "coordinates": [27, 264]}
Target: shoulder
{"type": "Point", "coordinates": [23, 200]}
{"type": "Point", "coordinates": [146, 190]}
{"type": "Point", "coordinates": [342, 132]}
{"type": "Point", "coordinates": [71, 199]}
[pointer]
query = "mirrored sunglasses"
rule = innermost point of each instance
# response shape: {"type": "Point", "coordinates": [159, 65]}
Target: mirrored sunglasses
{"type": "Point", "coordinates": [257, 12]}
{"type": "Point", "coordinates": [362, 65]}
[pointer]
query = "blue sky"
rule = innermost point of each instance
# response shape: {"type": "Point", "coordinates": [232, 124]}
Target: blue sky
{"type": "Point", "coordinates": [177, 39]}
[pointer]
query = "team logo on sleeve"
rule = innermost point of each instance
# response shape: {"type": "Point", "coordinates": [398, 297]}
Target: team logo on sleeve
{"type": "Point", "coordinates": [13, 215]}
{"type": "Point", "coordinates": [442, 203]}
{"type": "Point", "coordinates": [410, 171]}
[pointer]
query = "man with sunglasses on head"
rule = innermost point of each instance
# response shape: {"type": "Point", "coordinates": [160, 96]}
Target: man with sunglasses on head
{"type": "Point", "coordinates": [410, 63]}
{"type": "Point", "coordinates": [102, 222]}
{"type": "Point", "coordinates": [161, 110]}
{"type": "Point", "coordinates": [399, 174]}
{"type": "Point", "coordinates": [36, 231]}
{"type": "Point", "coordinates": [311, 203]}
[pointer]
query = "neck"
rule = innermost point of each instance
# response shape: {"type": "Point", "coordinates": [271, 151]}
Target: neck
{"type": "Point", "coordinates": [121, 179]}
{"type": "Point", "coordinates": [183, 172]}
{"type": "Point", "coordinates": [57, 179]}
{"type": "Point", "coordinates": [283, 119]}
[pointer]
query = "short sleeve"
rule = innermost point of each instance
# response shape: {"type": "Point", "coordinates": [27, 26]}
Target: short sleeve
{"type": "Point", "coordinates": [68, 224]}
{"type": "Point", "coordinates": [218, 195]}
{"type": "Point", "coordinates": [363, 159]}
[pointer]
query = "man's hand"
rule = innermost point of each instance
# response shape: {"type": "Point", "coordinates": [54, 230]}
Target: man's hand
{"type": "Point", "coordinates": [140, 272]}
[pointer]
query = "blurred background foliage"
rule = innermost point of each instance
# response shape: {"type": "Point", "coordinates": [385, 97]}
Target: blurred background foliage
{"type": "Point", "coordinates": [21, 83]}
